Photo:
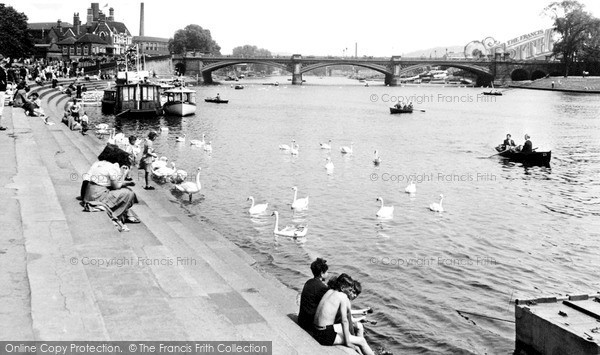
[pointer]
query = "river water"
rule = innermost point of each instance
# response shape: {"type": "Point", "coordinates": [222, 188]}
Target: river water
{"type": "Point", "coordinates": [507, 231]}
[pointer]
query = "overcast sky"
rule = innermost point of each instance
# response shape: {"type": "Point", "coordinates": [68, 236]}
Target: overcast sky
{"type": "Point", "coordinates": [317, 27]}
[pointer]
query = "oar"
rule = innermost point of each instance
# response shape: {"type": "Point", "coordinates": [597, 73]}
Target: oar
{"type": "Point", "coordinates": [420, 110]}
{"type": "Point", "coordinates": [493, 155]}
{"type": "Point", "coordinates": [372, 322]}
{"type": "Point", "coordinates": [483, 316]}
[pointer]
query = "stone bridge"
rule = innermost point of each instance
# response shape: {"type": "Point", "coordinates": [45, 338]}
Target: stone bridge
{"type": "Point", "coordinates": [499, 69]}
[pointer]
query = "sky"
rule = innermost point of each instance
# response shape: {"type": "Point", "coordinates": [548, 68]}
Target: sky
{"type": "Point", "coordinates": [316, 27]}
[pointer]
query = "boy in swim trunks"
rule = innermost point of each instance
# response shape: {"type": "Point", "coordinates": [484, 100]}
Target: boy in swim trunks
{"type": "Point", "coordinates": [336, 301]}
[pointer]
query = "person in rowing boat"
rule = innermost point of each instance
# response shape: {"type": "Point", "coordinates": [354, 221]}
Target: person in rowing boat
{"type": "Point", "coordinates": [508, 143]}
{"type": "Point", "coordinates": [410, 105]}
{"type": "Point", "coordinates": [218, 97]}
{"type": "Point", "coordinates": [527, 146]}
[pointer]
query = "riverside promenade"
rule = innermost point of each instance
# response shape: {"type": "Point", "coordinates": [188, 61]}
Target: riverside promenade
{"type": "Point", "coordinates": [171, 278]}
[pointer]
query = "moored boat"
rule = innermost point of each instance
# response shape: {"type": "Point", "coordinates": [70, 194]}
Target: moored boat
{"type": "Point", "coordinates": [533, 158]}
{"type": "Point", "coordinates": [400, 110]}
{"type": "Point", "coordinates": [216, 100]}
{"type": "Point", "coordinates": [180, 102]}
{"type": "Point", "coordinates": [239, 87]}
{"type": "Point", "coordinates": [132, 96]}
{"type": "Point", "coordinates": [493, 93]}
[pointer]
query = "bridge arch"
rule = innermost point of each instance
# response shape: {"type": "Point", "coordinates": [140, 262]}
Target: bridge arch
{"type": "Point", "coordinates": [376, 67]}
{"type": "Point", "coordinates": [477, 70]}
{"type": "Point", "coordinates": [519, 74]}
{"type": "Point", "coordinates": [538, 74]}
{"type": "Point", "coordinates": [215, 66]}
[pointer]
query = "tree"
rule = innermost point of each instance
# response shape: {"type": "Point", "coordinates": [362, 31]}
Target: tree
{"type": "Point", "coordinates": [577, 29]}
{"type": "Point", "coordinates": [253, 51]}
{"type": "Point", "coordinates": [193, 38]}
{"type": "Point", "coordinates": [15, 41]}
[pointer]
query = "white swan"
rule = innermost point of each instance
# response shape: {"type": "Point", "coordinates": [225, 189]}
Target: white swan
{"type": "Point", "coordinates": [287, 147]}
{"type": "Point", "coordinates": [294, 149]}
{"type": "Point", "coordinates": [179, 176]}
{"type": "Point", "coordinates": [385, 211]}
{"type": "Point", "coordinates": [329, 165]}
{"type": "Point", "coordinates": [256, 209]}
{"type": "Point", "coordinates": [301, 203]}
{"type": "Point", "coordinates": [208, 147]}
{"type": "Point", "coordinates": [180, 138]}
{"type": "Point", "coordinates": [165, 172]}
{"type": "Point", "coordinates": [161, 162]}
{"type": "Point", "coordinates": [102, 126]}
{"type": "Point", "coordinates": [326, 145]}
{"type": "Point", "coordinates": [376, 158]}
{"type": "Point", "coordinates": [411, 188]}
{"type": "Point", "coordinates": [198, 142]}
{"type": "Point", "coordinates": [290, 230]}
{"type": "Point", "coordinates": [164, 129]}
{"type": "Point", "coordinates": [189, 187]}
{"type": "Point", "coordinates": [437, 207]}
{"type": "Point", "coordinates": [346, 149]}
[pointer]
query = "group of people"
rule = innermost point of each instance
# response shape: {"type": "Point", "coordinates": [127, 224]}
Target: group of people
{"type": "Point", "coordinates": [509, 144]}
{"type": "Point", "coordinates": [400, 106]}
{"type": "Point", "coordinates": [75, 117]}
{"type": "Point", "coordinates": [326, 310]}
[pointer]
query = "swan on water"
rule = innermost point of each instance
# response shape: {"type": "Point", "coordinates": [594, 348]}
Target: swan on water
{"type": "Point", "coordinates": [329, 165]}
{"type": "Point", "coordinates": [437, 207]}
{"type": "Point", "coordinates": [161, 162]}
{"type": "Point", "coordinates": [190, 187]}
{"type": "Point", "coordinates": [294, 149]}
{"type": "Point", "coordinates": [180, 138]}
{"type": "Point", "coordinates": [198, 142]}
{"type": "Point", "coordinates": [287, 147]}
{"type": "Point", "coordinates": [326, 145]}
{"type": "Point", "coordinates": [411, 188]}
{"type": "Point", "coordinates": [301, 203]}
{"type": "Point", "coordinates": [346, 149]}
{"type": "Point", "coordinates": [102, 126]}
{"type": "Point", "coordinates": [385, 211]}
{"type": "Point", "coordinates": [164, 172]}
{"type": "Point", "coordinates": [294, 231]}
{"type": "Point", "coordinates": [256, 209]}
{"type": "Point", "coordinates": [208, 147]}
{"type": "Point", "coordinates": [376, 158]}
{"type": "Point", "coordinates": [179, 176]}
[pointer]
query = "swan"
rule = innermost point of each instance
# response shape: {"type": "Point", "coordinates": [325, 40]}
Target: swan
{"type": "Point", "coordinates": [329, 165]}
{"type": "Point", "coordinates": [294, 149]}
{"type": "Point", "coordinates": [180, 138]}
{"type": "Point", "coordinates": [198, 142]}
{"type": "Point", "coordinates": [346, 149]}
{"type": "Point", "coordinates": [301, 203]}
{"type": "Point", "coordinates": [290, 230]}
{"type": "Point", "coordinates": [208, 147]}
{"type": "Point", "coordinates": [164, 129]}
{"type": "Point", "coordinates": [385, 211]}
{"type": "Point", "coordinates": [179, 176]}
{"type": "Point", "coordinates": [376, 159]}
{"type": "Point", "coordinates": [287, 147]}
{"type": "Point", "coordinates": [161, 162]}
{"type": "Point", "coordinates": [411, 188]}
{"type": "Point", "coordinates": [164, 172]}
{"type": "Point", "coordinates": [437, 207]}
{"type": "Point", "coordinates": [326, 145]}
{"type": "Point", "coordinates": [189, 187]}
{"type": "Point", "coordinates": [256, 209]}
{"type": "Point", "coordinates": [102, 126]}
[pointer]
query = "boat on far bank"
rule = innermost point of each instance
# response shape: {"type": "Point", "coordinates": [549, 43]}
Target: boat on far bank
{"type": "Point", "coordinates": [180, 102]}
{"type": "Point", "coordinates": [216, 100]}
{"type": "Point", "coordinates": [400, 110]}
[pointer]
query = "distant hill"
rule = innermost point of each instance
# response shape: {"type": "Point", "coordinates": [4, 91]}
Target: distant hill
{"type": "Point", "coordinates": [440, 51]}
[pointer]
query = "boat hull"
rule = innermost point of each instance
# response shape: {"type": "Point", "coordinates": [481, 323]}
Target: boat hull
{"type": "Point", "coordinates": [215, 101]}
{"type": "Point", "coordinates": [533, 158]}
{"type": "Point", "coordinates": [394, 110]}
{"type": "Point", "coordinates": [179, 108]}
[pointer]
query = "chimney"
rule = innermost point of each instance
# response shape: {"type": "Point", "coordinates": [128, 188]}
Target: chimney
{"type": "Point", "coordinates": [111, 14]}
{"type": "Point", "coordinates": [76, 23]}
{"type": "Point", "coordinates": [95, 10]}
{"type": "Point", "coordinates": [90, 16]}
{"type": "Point", "coordinates": [141, 19]}
{"type": "Point", "coordinates": [59, 26]}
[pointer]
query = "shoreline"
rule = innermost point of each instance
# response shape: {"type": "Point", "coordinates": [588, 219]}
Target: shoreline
{"type": "Point", "coordinates": [572, 84]}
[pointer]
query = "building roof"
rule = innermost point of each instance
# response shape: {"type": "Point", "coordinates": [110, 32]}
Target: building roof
{"type": "Point", "coordinates": [90, 38]}
{"type": "Point", "coordinates": [45, 25]}
{"type": "Point", "coordinates": [68, 40]}
{"type": "Point", "coordinates": [149, 39]}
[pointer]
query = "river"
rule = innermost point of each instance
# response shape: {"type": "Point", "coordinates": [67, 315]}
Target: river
{"type": "Point", "coordinates": [507, 231]}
